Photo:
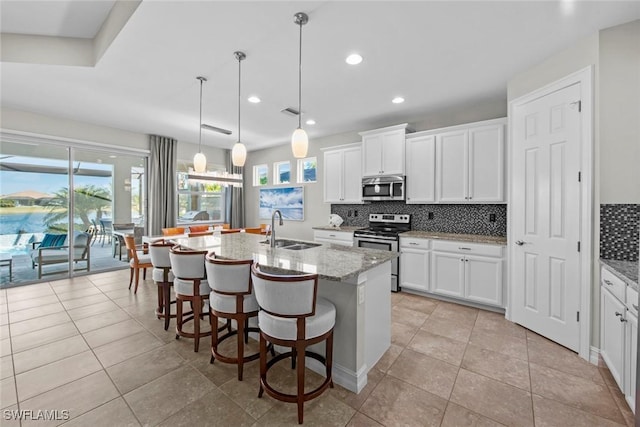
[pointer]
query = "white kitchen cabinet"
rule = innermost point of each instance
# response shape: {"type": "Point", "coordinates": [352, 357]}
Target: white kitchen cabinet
{"type": "Point", "coordinates": [631, 354]}
{"type": "Point", "coordinates": [383, 151]}
{"type": "Point", "coordinates": [469, 271]}
{"type": "Point", "coordinates": [612, 332]}
{"type": "Point", "coordinates": [414, 264]}
{"type": "Point", "coordinates": [344, 238]}
{"type": "Point", "coordinates": [343, 174]}
{"type": "Point", "coordinates": [470, 163]}
{"type": "Point", "coordinates": [421, 169]}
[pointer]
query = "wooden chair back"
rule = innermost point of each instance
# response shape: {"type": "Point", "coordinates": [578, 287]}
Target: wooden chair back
{"type": "Point", "coordinates": [172, 231]}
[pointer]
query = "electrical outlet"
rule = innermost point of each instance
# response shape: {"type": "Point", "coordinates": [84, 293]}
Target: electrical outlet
{"type": "Point", "coordinates": [492, 217]}
{"type": "Point", "coordinates": [355, 213]}
{"type": "Point", "coordinates": [430, 215]}
{"type": "Point", "coordinates": [349, 212]}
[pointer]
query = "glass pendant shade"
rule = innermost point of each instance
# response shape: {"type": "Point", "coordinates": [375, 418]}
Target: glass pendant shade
{"type": "Point", "coordinates": [299, 143]}
{"type": "Point", "coordinates": [239, 154]}
{"type": "Point", "coordinates": [199, 163]}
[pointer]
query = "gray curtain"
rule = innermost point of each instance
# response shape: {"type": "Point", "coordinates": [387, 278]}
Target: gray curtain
{"type": "Point", "coordinates": [234, 198]}
{"type": "Point", "coordinates": [163, 183]}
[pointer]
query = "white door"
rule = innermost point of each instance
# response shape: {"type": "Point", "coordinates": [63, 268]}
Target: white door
{"type": "Point", "coordinates": [452, 166]}
{"type": "Point", "coordinates": [546, 215]}
{"type": "Point", "coordinates": [352, 175]}
{"type": "Point", "coordinates": [421, 169]}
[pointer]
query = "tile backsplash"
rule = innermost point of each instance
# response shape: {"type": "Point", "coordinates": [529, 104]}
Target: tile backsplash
{"type": "Point", "coordinates": [619, 228]}
{"type": "Point", "coordinates": [469, 219]}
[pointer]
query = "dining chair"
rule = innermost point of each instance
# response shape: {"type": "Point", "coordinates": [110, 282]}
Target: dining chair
{"type": "Point", "coordinates": [172, 231]}
{"type": "Point", "coordinates": [118, 240]}
{"type": "Point", "coordinates": [292, 315]}
{"type": "Point", "coordinates": [198, 228]}
{"type": "Point", "coordinates": [201, 233]}
{"type": "Point", "coordinates": [138, 260]}
{"type": "Point", "coordinates": [106, 231]}
{"type": "Point", "coordinates": [253, 230]}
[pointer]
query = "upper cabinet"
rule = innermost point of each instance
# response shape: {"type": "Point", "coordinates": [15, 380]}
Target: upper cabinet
{"type": "Point", "coordinates": [383, 151]}
{"type": "Point", "coordinates": [343, 174]}
{"type": "Point", "coordinates": [421, 169]}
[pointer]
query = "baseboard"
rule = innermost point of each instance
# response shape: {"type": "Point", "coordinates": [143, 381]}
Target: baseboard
{"type": "Point", "coordinates": [352, 381]}
{"type": "Point", "coordinates": [594, 355]}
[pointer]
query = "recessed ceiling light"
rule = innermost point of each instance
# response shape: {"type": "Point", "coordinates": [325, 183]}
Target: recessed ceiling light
{"type": "Point", "coordinates": [254, 99]}
{"type": "Point", "coordinates": [112, 156]}
{"type": "Point", "coordinates": [398, 100]}
{"type": "Point", "coordinates": [311, 122]}
{"type": "Point", "coordinates": [354, 59]}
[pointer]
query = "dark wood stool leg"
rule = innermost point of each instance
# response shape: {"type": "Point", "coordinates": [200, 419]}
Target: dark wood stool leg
{"type": "Point", "coordinates": [160, 309]}
{"type": "Point", "coordinates": [196, 323]}
{"type": "Point", "coordinates": [300, 347]}
{"type": "Point", "coordinates": [263, 363]}
{"type": "Point", "coordinates": [329, 357]}
{"type": "Point", "coordinates": [166, 289]}
{"type": "Point", "coordinates": [240, 341]}
{"type": "Point", "coordinates": [213, 321]}
{"type": "Point", "coordinates": [178, 316]}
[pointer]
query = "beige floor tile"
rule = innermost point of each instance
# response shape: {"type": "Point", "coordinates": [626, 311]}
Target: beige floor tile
{"type": "Point", "coordinates": [77, 397]}
{"type": "Point", "coordinates": [114, 413]}
{"type": "Point", "coordinates": [61, 289]}
{"type": "Point", "coordinates": [607, 377]}
{"type": "Point", "coordinates": [6, 367]}
{"type": "Point", "coordinates": [110, 285]}
{"type": "Point", "coordinates": [550, 413]}
{"type": "Point", "coordinates": [32, 302]}
{"type": "Point", "coordinates": [374, 376]}
{"type": "Point", "coordinates": [11, 417]}
{"type": "Point", "coordinates": [427, 373]}
{"type": "Point", "coordinates": [118, 351]}
{"type": "Point", "coordinates": [28, 292]}
{"type": "Point", "coordinates": [623, 406]}
{"type": "Point", "coordinates": [407, 316]}
{"type": "Point", "coordinates": [48, 353]}
{"type": "Point", "coordinates": [156, 327]}
{"type": "Point", "coordinates": [212, 409]}
{"type": "Point", "coordinates": [388, 358]}
{"type": "Point", "coordinates": [396, 297]}
{"type": "Point", "coordinates": [70, 281]}
{"type": "Point", "coordinates": [4, 308]}
{"type": "Point", "coordinates": [401, 334]}
{"type": "Point", "coordinates": [547, 353]}
{"type": "Point", "coordinates": [323, 410]}
{"type": "Point", "coordinates": [494, 365]}
{"type": "Point", "coordinates": [361, 420]}
{"type": "Point", "coordinates": [394, 402]}
{"type": "Point", "coordinates": [107, 334]}
{"type": "Point", "coordinates": [457, 416]}
{"type": "Point", "coordinates": [101, 320]}
{"type": "Point", "coordinates": [5, 347]}
{"type": "Point", "coordinates": [493, 399]}
{"type": "Point", "coordinates": [418, 303]}
{"type": "Point", "coordinates": [31, 325]}
{"type": "Point", "coordinates": [443, 348]}
{"type": "Point", "coordinates": [142, 369]}
{"type": "Point", "coordinates": [32, 313]}
{"type": "Point", "coordinates": [8, 392]}
{"type": "Point", "coordinates": [43, 336]}
{"type": "Point", "coordinates": [447, 328]}
{"type": "Point", "coordinates": [504, 344]}
{"type": "Point", "coordinates": [70, 304]}
{"type": "Point", "coordinates": [118, 293]}
{"type": "Point", "coordinates": [82, 293]}
{"type": "Point", "coordinates": [495, 323]}
{"type": "Point", "coordinates": [4, 318]}
{"type": "Point", "coordinates": [245, 393]}
{"type": "Point", "coordinates": [589, 396]}
{"type": "Point", "coordinates": [148, 309]}
{"type": "Point", "coordinates": [48, 377]}
{"type": "Point", "coordinates": [92, 310]}
{"type": "Point", "coordinates": [163, 397]}
{"type": "Point", "coordinates": [4, 331]}
{"type": "Point", "coordinates": [456, 313]}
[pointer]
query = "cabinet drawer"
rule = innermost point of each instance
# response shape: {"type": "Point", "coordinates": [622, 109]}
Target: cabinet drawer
{"type": "Point", "coordinates": [613, 284]}
{"type": "Point", "coordinates": [411, 242]}
{"type": "Point", "coordinates": [333, 235]}
{"type": "Point", "coordinates": [632, 300]}
{"type": "Point", "coordinates": [468, 248]}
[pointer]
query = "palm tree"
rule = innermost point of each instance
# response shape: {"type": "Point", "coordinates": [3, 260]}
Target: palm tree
{"type": "Point", "coordinates": [87, 199]}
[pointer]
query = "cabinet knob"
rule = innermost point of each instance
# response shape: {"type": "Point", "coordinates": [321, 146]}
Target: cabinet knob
{"type": "Point", "coordinates": [608, 283]}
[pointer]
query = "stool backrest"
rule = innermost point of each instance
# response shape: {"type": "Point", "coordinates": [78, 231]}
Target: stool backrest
{"type": "Point", "coordinates": [229, 277]}
{"type": "Point", "coordinates": [159, 253]}
{"type": "Point", "coordinates": [187, 264]}
{"type": "Point", "coordinates": [285, 295]}
{"type": "Point", "coordinates": [172, 231]}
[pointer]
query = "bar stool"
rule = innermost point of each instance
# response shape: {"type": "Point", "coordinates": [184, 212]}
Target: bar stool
{"type": "Point", "coordinates": [163, 278]}
{"type": "Point", "coordinates": [231, 298]}
{"type": "Point", "coordinates": [189, 284]}
{"type": "Point", "coordinates": [293, 316]}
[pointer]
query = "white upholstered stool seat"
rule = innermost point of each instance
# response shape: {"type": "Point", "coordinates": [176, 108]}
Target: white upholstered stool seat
{"type": "Point", "coordinates": [190, 284]}
{"type": "Point", "coordinates": [291, 315]}
{"type": "Point", "coordinates": [163, 277]}
{"type": "Point", "coordinates": [227, 303]}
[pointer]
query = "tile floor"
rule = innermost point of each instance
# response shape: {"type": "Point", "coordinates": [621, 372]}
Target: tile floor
{"type": "Point", "coordinates": [92, 348]}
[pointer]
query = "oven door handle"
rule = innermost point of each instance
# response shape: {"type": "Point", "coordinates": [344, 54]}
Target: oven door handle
{"type": "Point", "coordinates": [375, 239]}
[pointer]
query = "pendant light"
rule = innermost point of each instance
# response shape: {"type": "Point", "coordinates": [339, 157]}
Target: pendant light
{"type": "Point", "coordinates": [239, 152]}
{"type": "Point", "coordinates": [199, 160]}
{"type": "Point", "coordinates": [299, 139]}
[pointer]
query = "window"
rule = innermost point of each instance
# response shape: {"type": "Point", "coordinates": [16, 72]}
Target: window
{"type": "Point", "coordinates": [281, 172]}
{"type": "Point", "coordinates": [199, 201]}
{"type": "Point", "coordinates": [307, 169]}
{"type": "Point", "coordinates": [260, 175]}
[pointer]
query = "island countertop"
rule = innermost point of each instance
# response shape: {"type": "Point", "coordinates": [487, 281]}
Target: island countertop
{"type": "Point", "coordinates": [329, 261]}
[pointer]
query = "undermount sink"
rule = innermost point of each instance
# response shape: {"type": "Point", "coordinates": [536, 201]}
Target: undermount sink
{"type": "Point", "coordinates": [293, 245]}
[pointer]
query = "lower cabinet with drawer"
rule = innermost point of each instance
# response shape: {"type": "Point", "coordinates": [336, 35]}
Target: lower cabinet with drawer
{"type": "Point", "coordinates": [414, 263]}
{"type": "Point", "coordinates": [619, 332]}
{"type": "Point", "coordinates": [344, 238]}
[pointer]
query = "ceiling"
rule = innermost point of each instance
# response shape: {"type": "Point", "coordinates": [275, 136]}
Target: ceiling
{"type": "Point", "coordinates": [437, 55]}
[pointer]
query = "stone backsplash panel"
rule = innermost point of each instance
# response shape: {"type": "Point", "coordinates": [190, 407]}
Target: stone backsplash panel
{"type": "Point", "coordinates": [469, 219]}
{"type": "Point", "coordinates": [619, 231]}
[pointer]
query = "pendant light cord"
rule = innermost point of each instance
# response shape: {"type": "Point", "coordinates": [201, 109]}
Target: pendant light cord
{"type": "Point", "coordinates": [300, 80]}
{"type": "Point", "coordinates": [239, 85]}
{"type": "Point", "coordinates": [200, 128]}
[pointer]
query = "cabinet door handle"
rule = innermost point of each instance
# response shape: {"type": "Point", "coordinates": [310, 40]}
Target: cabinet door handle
{"type": "Point", "coordinates": [618, 314]}
{"type": "Point", "coordinates": [608, 282]}
{"type": "Point", "coordinates": [413, 243]}
{"type": "Point", "coordinates": [332, 235]}
{"type": "Point", "coordinates": [464, 249]}
{"type": "Point", "coordinates": [622, 319]}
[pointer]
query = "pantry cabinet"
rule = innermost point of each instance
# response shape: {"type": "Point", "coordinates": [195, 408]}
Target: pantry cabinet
{"type": "Point", "coordinates": [343, 174]}
{"type": "Point", "coordinates": [383, 151]}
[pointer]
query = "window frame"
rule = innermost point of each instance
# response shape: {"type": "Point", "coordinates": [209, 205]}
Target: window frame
{"type": "Point", "coordinates": [300, 170]}
{"type": "Point", "coordinates": [276, 172]}
{"type": "Point", "coordinates": [256, 176]}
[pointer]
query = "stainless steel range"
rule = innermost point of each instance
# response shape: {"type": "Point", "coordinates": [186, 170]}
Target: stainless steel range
{"type": "Point", "coordinates": [383, 234]}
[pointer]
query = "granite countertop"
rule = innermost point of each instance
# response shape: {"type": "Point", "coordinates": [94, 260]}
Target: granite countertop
{"type": "Point", "coordinates": [329, 261]}
{"type": "Point", "coordinates": [347, 228]}
{"type": "Point", "coordinates": [471, 238]}
{"type": "Point", "coordinates": [625, 270]}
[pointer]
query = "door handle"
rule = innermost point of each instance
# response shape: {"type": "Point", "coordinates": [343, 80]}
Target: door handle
{"type": "Point", "coordinates": [520, 242]}
{"type": "Point", "coordinates": [618, 314]}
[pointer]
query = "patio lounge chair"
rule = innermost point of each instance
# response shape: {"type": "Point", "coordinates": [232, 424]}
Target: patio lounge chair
{"type": "Point", "coordinates": [46, 253]}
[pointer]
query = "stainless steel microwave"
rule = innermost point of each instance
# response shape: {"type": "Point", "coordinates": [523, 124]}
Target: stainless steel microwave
{"type": "Point", "coordinates": [383, 188]}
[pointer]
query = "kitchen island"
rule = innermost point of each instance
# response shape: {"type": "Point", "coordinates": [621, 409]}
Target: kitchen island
{"type": "Point", "coordinates": [357, 281]}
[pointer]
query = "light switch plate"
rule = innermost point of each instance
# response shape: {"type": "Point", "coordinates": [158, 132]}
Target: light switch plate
{"type": "Point", "coordinates": [361, 295]}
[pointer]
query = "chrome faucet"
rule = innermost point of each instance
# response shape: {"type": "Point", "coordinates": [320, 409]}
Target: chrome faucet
{"type": "Point", "coordinates": [273, 229]}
